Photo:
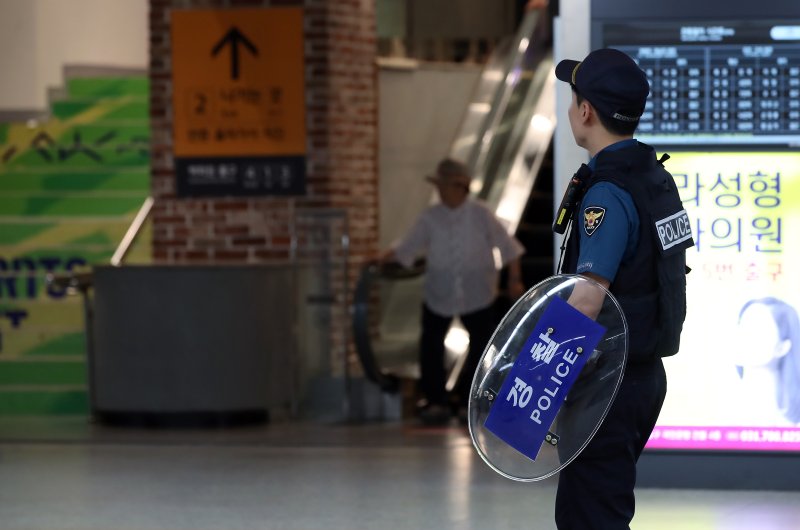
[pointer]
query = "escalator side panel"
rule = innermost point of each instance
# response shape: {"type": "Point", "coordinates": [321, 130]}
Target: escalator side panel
{"type": "Point", "coordinates": [515, 160]}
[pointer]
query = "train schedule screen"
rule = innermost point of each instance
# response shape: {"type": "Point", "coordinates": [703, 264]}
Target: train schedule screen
{"type": "Point", "coordinates": [719, 84]}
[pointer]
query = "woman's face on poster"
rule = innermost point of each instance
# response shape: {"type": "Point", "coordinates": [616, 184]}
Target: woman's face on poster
{"type": "Point", "coordinates": [759, 342]}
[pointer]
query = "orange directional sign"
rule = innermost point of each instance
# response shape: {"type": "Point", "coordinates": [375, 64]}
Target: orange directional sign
{"type": "Point", "coordinates": [239, 101]}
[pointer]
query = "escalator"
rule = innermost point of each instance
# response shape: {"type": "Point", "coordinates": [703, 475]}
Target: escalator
{"type": "Point", "coordinates": [505, 138]}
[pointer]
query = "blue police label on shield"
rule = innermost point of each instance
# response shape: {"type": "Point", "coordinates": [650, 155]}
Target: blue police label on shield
{"type": "Point", "coordinates": [548, 365]}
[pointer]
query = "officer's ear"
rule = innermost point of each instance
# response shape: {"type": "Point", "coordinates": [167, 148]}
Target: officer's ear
{"type": "Point", "coordinates": [586, 112]}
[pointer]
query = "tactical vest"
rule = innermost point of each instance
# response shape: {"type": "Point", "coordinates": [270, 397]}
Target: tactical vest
{"type": "Point", "coordinates": [650, 286]}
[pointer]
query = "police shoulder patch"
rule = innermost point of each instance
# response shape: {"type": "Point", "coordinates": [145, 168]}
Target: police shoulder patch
{"type": "Point", "coordinates": [674, 230]}
{"type": "Point", "coordinates": [592, 218]}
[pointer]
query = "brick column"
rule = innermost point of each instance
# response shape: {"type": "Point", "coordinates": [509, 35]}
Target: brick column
{"type": "Point", "coordinates": [341, 115]}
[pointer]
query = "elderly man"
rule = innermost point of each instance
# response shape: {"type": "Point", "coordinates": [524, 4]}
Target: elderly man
{"type": "Point", "coordinates": [458, 236]}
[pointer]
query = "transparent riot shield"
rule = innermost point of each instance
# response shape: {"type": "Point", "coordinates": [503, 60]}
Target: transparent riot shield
{"type": "Point", "coordinates": [547, 378]}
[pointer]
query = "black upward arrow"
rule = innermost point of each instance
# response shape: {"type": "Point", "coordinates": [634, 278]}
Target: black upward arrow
{"type": "Point", "coordinates": [234, 37]}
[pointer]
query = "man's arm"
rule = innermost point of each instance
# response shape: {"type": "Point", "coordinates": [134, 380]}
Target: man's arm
{"type": "Point", "coordinates": [516, 287]}
{"type": "Point", "coordinates": [587, 297]}
{"type": "Point", "coordinates": [411, 245]}
{"type": "Point", "coordinates": [603, 248]}
{"type": "Point", "coordinates": [387, 256]}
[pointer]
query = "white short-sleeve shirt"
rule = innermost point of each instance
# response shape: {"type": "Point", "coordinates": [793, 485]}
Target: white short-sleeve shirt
{"type": "Point", "coordinates": [459, 244]}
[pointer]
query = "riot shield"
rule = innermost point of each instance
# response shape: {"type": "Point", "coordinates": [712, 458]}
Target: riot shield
{"type": "Point", "coordinates": [547, 379]}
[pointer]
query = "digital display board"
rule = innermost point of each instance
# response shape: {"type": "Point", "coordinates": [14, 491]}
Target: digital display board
{"type": "Point", "coordinates": [729, 83]}
{"type": "Point", "coordinates": [725, 104]}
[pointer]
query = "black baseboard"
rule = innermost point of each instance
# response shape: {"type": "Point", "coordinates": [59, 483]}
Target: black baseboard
{"type": "Point", "coordinates": [178, 420]}
{"type": "Point", "coordinates": [714, 470]}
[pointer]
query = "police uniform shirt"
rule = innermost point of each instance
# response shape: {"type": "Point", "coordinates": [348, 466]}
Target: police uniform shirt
{"type": "Point", "coordinates": [610, 225]}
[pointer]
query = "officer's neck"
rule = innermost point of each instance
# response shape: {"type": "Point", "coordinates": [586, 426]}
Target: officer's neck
{"type": "Point", "coordinates": [602, 139]}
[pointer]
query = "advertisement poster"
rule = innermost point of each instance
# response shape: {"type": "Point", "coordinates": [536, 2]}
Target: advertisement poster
{"type": "Point", "coordinates": [735, 384]}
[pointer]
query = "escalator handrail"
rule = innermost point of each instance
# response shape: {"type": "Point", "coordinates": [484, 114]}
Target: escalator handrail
{"type": "Point", "coordinates": [362, 339]}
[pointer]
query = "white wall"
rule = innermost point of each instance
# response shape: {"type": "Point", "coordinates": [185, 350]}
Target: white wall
{"type": "Point", "coordinates": [420, 111]}
{"type": "Point", "coordinates": [39, 37]}
{"type": "Point", "coordinates": [571, 41]}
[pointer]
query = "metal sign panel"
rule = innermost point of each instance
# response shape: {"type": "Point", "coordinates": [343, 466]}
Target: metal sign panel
{"type": "Point", "coordinates": [239, 101]}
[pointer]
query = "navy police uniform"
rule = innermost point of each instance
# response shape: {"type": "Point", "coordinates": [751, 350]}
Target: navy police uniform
{"type": "Point", "coordinates": [630, 228]}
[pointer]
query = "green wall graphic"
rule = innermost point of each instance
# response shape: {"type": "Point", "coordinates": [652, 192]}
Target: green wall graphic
{"type": "Point", "coordinates": [69, 189]}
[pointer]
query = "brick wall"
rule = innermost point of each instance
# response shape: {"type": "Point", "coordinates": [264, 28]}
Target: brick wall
{"type": "Point", "coordinates": [341, 115]}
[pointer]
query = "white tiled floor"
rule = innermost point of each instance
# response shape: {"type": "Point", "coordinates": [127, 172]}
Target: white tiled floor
{"type": "Point", "coordinates": [70, 475]}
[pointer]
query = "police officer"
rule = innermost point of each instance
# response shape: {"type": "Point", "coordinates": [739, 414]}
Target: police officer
{"type": "Point", "coordinates": [629, 233]}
